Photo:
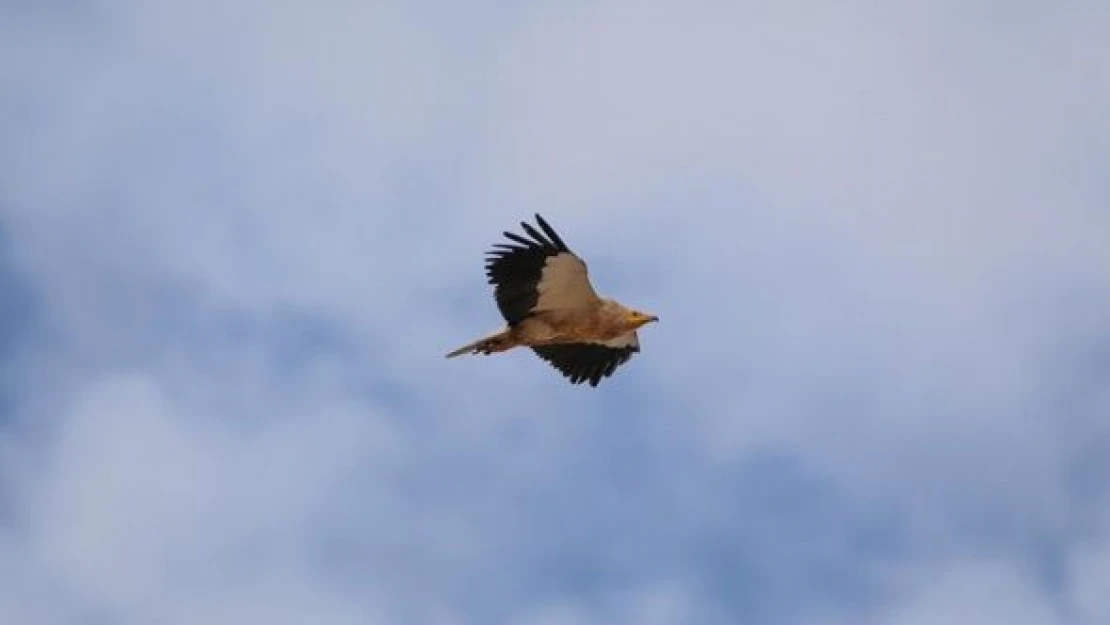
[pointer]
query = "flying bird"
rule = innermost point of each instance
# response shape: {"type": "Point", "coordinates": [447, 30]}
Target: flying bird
{"type": "Point", "coordinates": [544, 293]}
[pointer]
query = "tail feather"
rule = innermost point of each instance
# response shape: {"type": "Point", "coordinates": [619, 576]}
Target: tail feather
{"type": "Point", "coordinates": [494, 342]}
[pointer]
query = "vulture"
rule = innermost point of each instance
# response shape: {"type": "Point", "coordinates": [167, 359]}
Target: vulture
{"type": "Point", "coordinates": [543, 291]}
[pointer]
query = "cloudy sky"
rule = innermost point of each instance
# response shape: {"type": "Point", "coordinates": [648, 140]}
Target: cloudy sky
{"type": "Point", "coordinates": [236, 239]}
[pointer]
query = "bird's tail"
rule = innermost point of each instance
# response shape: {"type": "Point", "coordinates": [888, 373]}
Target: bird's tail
{"type": "Point", "coordinates": [497, 341]}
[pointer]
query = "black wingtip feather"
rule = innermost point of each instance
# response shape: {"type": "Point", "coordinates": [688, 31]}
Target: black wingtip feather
{"type": "Point", "coordinates": [554, 236]}
{"type": "Point", "coordinates": [532, 232]}
{"type": "Point", "coordinates": [519, 239]}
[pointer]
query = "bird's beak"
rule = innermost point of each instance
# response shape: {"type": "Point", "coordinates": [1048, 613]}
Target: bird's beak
{"type": "Point", "coordinates": [651, 318]}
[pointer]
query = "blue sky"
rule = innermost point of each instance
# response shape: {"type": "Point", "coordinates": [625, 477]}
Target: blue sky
{"type": "Point", "coordinates": [237, 239]}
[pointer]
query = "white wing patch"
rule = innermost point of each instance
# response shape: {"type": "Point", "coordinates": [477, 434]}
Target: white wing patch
{"type": "Point", "coordinates": [624, 341]}
{"type": "Point", "coordinates": [564, 284]}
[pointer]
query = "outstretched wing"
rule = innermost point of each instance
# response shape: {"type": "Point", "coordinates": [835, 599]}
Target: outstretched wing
{"type": "Point", "coordinates": [590, 362]}
{"type": "Point", "coordinates": [537, 273]}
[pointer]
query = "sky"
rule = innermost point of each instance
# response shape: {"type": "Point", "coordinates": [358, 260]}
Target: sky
{"type": "Point", "coordinates": [237, 238]}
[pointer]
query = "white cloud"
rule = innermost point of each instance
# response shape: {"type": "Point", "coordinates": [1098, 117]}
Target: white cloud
{"type": "Point", "coordinates": [975, 591]}
{"type": "Point", "coordinates": [1089, 572]}
{"type": "Point", "coordinates": [147, 512]}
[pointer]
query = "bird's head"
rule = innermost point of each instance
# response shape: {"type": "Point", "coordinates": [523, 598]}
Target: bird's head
{"type": "Point", "coordinates": [638, 318]}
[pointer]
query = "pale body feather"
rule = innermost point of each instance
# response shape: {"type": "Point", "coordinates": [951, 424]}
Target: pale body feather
{"type": "Point", "coordinates": [604, 320]}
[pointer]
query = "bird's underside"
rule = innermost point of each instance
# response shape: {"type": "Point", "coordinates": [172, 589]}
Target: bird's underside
{"type": "Point", "coordinates": [543, 291]}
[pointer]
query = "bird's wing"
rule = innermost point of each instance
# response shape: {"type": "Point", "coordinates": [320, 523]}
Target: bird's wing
{"type": "Point", "coordinates": [537, 273]}
{"type": "Point", "coordinates": [590, 362]}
